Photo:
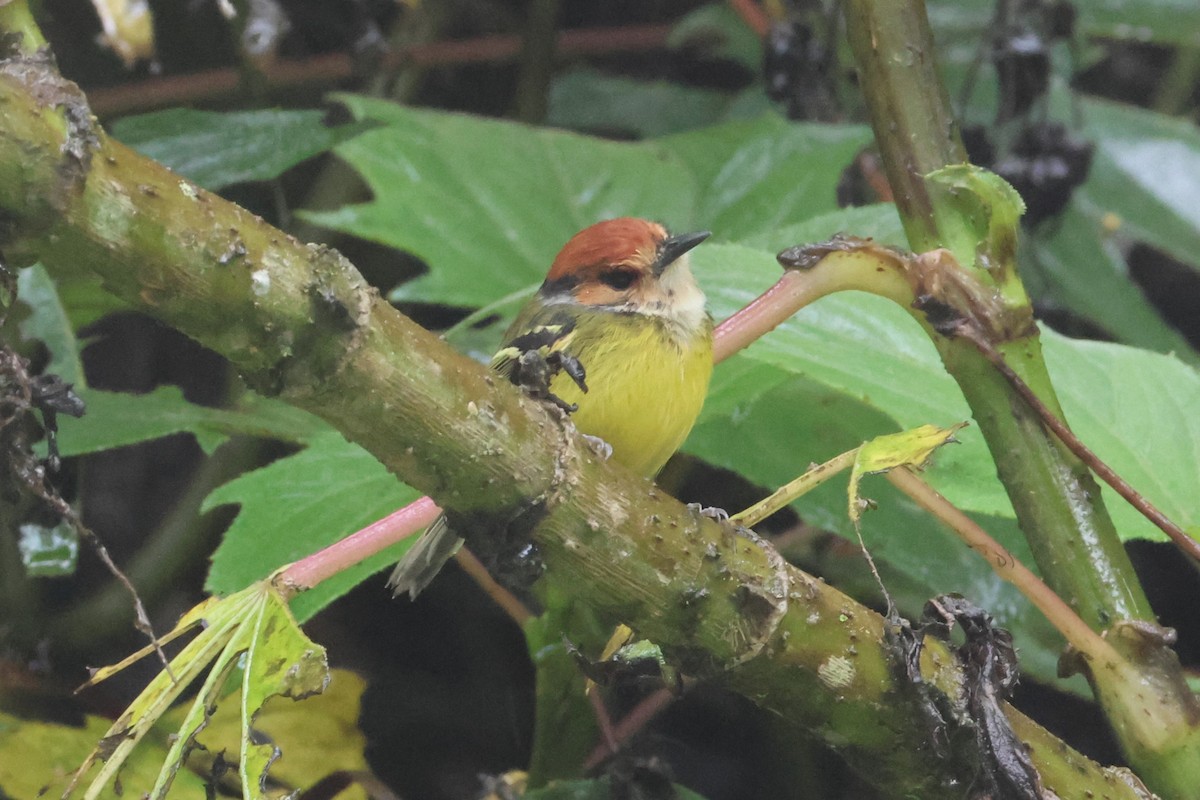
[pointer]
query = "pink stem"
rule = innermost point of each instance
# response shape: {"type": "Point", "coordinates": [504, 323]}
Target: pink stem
{"type": "Point", "coordinates": [345, 553]}
{"type": "Point", "coordinates": [789, 294]}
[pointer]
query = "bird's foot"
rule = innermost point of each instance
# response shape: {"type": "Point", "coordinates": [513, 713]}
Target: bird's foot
{"type": "Point", "coordinates": [535, 371]}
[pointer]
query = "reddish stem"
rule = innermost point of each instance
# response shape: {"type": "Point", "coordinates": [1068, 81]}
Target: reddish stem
{"type": "Point", "coordinates": [752, 15]}
{"type": "Point", "coordinates": [311, 570]}
{"type": "Point", "coordinates": [630, 724]}
{"type": "Point", "coordinates": [789, 294]}
{"type": "Point", "coordinates": [336, 67]}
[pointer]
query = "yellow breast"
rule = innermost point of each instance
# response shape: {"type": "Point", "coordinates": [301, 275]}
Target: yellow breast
{"type": "Point", "coordinates": [646, 385]}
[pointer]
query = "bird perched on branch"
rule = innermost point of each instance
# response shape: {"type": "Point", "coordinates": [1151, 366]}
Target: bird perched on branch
{"type": "Point", "coordinates": [618, 336]}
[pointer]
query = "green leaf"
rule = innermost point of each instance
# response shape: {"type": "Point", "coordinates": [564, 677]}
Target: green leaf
{"type": "Point", "coordinates": [962, 23]}
{"type": "Point", "coordinates": [769, 424]}
{"type": "Point", "coordinates": [491, 224]}
{"type": "Point", "coordinates": [752, 177]}
{"type": "Point", "coordinates": [117, 419]}
{"type": "Point", "coordinates": [587, 100]}
{"type": "Point", "coordinates": [48, 322]}
{"type": "Point", "coordinates": [1146, 172]}
{"type": "Point", "coordinates": [299, 504]}
{"type": "Point", "coordinates": [872, 350]}
{"type": "Point", "coordinates": [1074, 262]}
{"type": "Point", "coordinates": [218, 149]}
{"type": "Point", "coordinates": [719, 31]}
{"type": "Point", "coordinates": [1144, 425]}
{"type": "Point", "coordinates": [439, 172]}
{"type": "Point", "coordinates": [879, 222]}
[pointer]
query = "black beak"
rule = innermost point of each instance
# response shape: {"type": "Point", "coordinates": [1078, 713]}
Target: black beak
{"type": "Point", "coordinates": [675, 246]}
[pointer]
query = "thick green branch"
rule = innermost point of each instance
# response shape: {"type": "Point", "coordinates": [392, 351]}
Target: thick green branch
{"type": "Point", "coordinates": [299, 322]}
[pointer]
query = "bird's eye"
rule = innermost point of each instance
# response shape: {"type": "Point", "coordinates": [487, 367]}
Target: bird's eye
{"type": "Point", "coordinates": [619, 279]}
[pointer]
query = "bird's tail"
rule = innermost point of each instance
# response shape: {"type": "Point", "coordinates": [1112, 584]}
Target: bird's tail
{"type": "Point", "coordinates": [425, 559]}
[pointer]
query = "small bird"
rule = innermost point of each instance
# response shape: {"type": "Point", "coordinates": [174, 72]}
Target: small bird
{"type": "Point", "coordinates": [618, 336]}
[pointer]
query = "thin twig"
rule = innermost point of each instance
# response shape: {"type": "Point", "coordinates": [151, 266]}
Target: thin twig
{"type": "Point", "coordinates": [502, 597]}
{"type": "Point", "coordinates": [785, 494]}
{"type": "Point", "coordinates": [1007, 566]}
{"type": "Point", "coordinates": [630, 724]}
{"type": "Point", "coordinates": [32, 472]}
{"type": "Point", "coordinates": [344, 553]}
{"type": "Point", "coordinates": [1065, 435]}
{"type": "Point", "coordinates": [336, 67]}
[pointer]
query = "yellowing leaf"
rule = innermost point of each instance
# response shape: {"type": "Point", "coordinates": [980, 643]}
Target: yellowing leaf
{"type": "Point", "coordinates": [912, 448]}
{"type": "Point", "coordinates": [37, 758]}
{"type": "Point", "coordinates": [315, 738]}
{"type": "Point", "coordinates": [252, 629]}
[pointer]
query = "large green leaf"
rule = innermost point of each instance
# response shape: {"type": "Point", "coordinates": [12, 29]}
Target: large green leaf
{"type": "Point", "coordinates": [849, 367]}
{"type": "Point", "coordinates": [1073, 262]}
{"type": "Point", "coordinates": [586, 100]}
{"type": "Point", "coordinates": [1146, 172]}
{"type": "Point", "coordinates": [219, 149]}
{"type": "Point", "coordinates": [297, 505]}
{"type": "Point", "coordinates": [494, 200]}
{"type": "Point", "coordinates": [754, 176]}
{"type": "Point", "coordinates": [487, 204]}
{"type": "Point", "coordinates": [118, 419]}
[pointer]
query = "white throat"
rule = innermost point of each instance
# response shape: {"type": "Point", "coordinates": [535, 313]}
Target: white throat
{"type": "Point", "coordinates": [680, 300]}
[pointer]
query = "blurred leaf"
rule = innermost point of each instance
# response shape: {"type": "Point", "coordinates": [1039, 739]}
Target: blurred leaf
{"type": "Point", "coordinates": [252, 631]}
{"type": "Point", "coordinates": [299, 504]}
{"type": "Point", "coordinates": [1161, 21]}
{"type": "Point", "coordinates": [963, 23]}
{"type": "Point", "coordinates": [1075, 263]}
{"type": "Point", "coordinates": [37, 758]}
{"type": "Point", "coordinates": [1146, 172]}
{"type": "Point", "coordinates": [493, 200]}
{"type": "Point", "coordinates": [86, 300]}
{"type": "Point", "coordinates": [218, 149]}
{"type": "Point", "coordinates": [587, 100]}
{"type": "Point", "coordinates": [439, 172]}
{"type": "Point", "coordinates": [49, 323]}
{"type": "Point", "coordinates": [717, 30]}
{"type": "Point", "coordinates": [128, 29]}
{"type": "Point", "coordinates": [117, 419]}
